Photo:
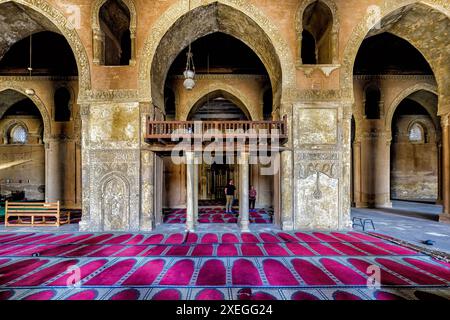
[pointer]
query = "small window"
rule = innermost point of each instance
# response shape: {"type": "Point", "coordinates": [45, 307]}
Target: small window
{"type": "Point", "coordinates": [115, 19]}
{"type": "Point", "coordinates": [416, 133]}
{"type": "Point", "coordinates": [18, 135]}
{"type": "Point", "coordinates": [317, 34]}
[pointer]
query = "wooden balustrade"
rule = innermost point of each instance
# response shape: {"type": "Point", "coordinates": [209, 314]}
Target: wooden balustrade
{"type": "Point", "coordinates": [166, 130]}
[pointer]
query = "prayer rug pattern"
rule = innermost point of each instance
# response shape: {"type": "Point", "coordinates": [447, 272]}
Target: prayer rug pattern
{"type": "Point", "coordinates": [215, 266]}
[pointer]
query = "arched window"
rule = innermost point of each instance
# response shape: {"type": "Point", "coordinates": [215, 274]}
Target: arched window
{"type": "Point", "coordinates": [114, 32]}
{"type": "Point", "coordinates": [318, 33]}
{"type": "Point", "coordinates": [18, 134]}
{"type": "Point", "coordinates": [417, 133]}
{"type": "Point", "coordinates": [372, 102]}
{"type": "Point", "coordinates": [62, 101]}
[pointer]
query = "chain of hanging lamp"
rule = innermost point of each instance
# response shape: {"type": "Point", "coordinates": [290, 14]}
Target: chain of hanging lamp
{"type": "Point", "coordinates": [189, 73]}
{"type": "Point", "coordinates": [30, 91]}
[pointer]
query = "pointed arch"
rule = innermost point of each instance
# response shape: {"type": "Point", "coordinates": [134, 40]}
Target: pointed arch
{"type": "Point", "coordinates": [46, 118]}
{"type": "Point", "coordinates": [235, 95]}
{"type": "Point", "coordinates": [405, 94]}
{"type": "Point", "coordinates": [280, 50]}
{"type": "Point", "coordinates": [219, 93]}
{"type": "Point", "coordinates": [371, 19]}
{"type": "Point", "coordinates": [68, 30]}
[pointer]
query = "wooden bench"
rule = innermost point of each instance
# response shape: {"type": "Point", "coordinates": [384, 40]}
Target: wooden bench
{"type": "Point", "coordinates": [35, 214]}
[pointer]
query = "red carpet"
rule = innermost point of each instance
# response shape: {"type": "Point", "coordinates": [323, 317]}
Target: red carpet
{"type": "Point", "coordinates": [273, 265]}
{"type": "Point", "coordinates": [216, 215]}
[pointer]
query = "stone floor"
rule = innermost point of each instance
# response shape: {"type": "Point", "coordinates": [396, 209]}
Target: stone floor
{"type": "Point", "coordinates": [411, 222]}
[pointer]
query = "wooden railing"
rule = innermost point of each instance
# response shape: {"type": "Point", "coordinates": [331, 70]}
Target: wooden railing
{"type": "Point", "coordinates": [163, 130]}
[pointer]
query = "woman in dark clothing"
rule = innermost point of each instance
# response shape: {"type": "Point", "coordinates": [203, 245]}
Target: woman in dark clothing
{"type": "Point", "coordinates": [252, 197]}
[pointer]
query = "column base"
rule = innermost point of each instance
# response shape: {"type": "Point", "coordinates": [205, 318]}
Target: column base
{"type": "Point", "coordinates": [83, 226]}
{"type": "Point", "coordinates": [361, 205]}
{"type": "Point", "coordinates": [383, 205]}
{"type": "Point", "coordinates": [244, 226]}
{"type": "Point", "coordinates": [190, 226]}
{"type": "Point", "coordinates": [287, 225]}
{"type": "Point", "coordinates": [88, 226]}
{"type": "Point", "coordinates": [147, 228]}
{"type": "Point", "coordinates": [444, 218]}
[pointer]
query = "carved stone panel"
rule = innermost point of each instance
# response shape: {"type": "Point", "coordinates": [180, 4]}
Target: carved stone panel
{"type": "Point", "coordinates": [317, 190]}
{"type": "Point", "coordinates": [114, 190]}
{"type": "Point", "coordinates": [115, 198]}
{"type": "Point", "coordinates": [316, 126]}
{"type": "Point", "coordinates": [114, 126]}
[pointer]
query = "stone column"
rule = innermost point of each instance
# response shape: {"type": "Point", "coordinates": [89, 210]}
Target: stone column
{"type": "Point", "coordinates": [445, 163]}
{"type": "Point", "coordinates": [196, 168]}
{"type": "Point", "coordinates": [243, 192]}
{"type": "Point", "coordinates": [98, 47]}
{"type": "Point", "coordinates": [54, 172]}
{"type": "Point", "coordinates": [439, 199]}
{"type": "Point", "coordinates": [376, 169]}
{"type": "Point", "coordinates": [346, 158]}
{"type": "Point", "coordinates": [133, 46]}
{"type": "Point", "coordinates": [190, 193]}
{"type": "Point", "coordinates": [85, 170]}
{"type": "Point", "coordinates": [286, 186]}
{"type": "Point", "coordinates": [148, 175]}
{"type": "Point", "coordinates": [357, 196]}
{"type": "Point", "coordinates": [383, 172]}
{"type": "Point", "coordinates": [146, 220]}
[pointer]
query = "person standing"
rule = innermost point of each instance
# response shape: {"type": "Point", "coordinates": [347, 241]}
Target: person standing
{"type": "Point", "coordinates": [252, 197]}
{"type": "Point", "coordinates": [229, 193]}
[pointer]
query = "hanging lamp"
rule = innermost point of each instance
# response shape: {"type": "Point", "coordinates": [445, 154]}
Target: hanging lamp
{"type": "Point", "coordinates": [189, 73]}
{"type": "Point", "coordinates": [30, 91]}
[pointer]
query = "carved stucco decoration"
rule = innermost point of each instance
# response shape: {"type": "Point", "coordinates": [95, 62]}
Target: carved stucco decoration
{"type": "Point", "coordinates": [334, 31]}
{"type": "Point", "coordinates": [115, 197]}
{"type": "Point", "coordinates": [365, 26]}
{"type": "Point", "coordinates": [98, 96]}
{"type": "Point", "coordinates": [97, 36]}
{"type": "Point", "coordinates": [242, 101]}
{"type": "Point", "coordinates": [114, 191]}
{"type": "Point", "coordinates": [318, 174]}
{"type": "Point", "coordinates": [317, 95]}
{"type": "Point", "coordinates": [114, 126]}
{"type": "Point", "coordinates": [178, 10]}
{"type": "Point", "coordinates": [316, 164]}
{"type": "Point", "coordinates": [57, 18]}
{"type": "Point", "coordinates": [36, 100]}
